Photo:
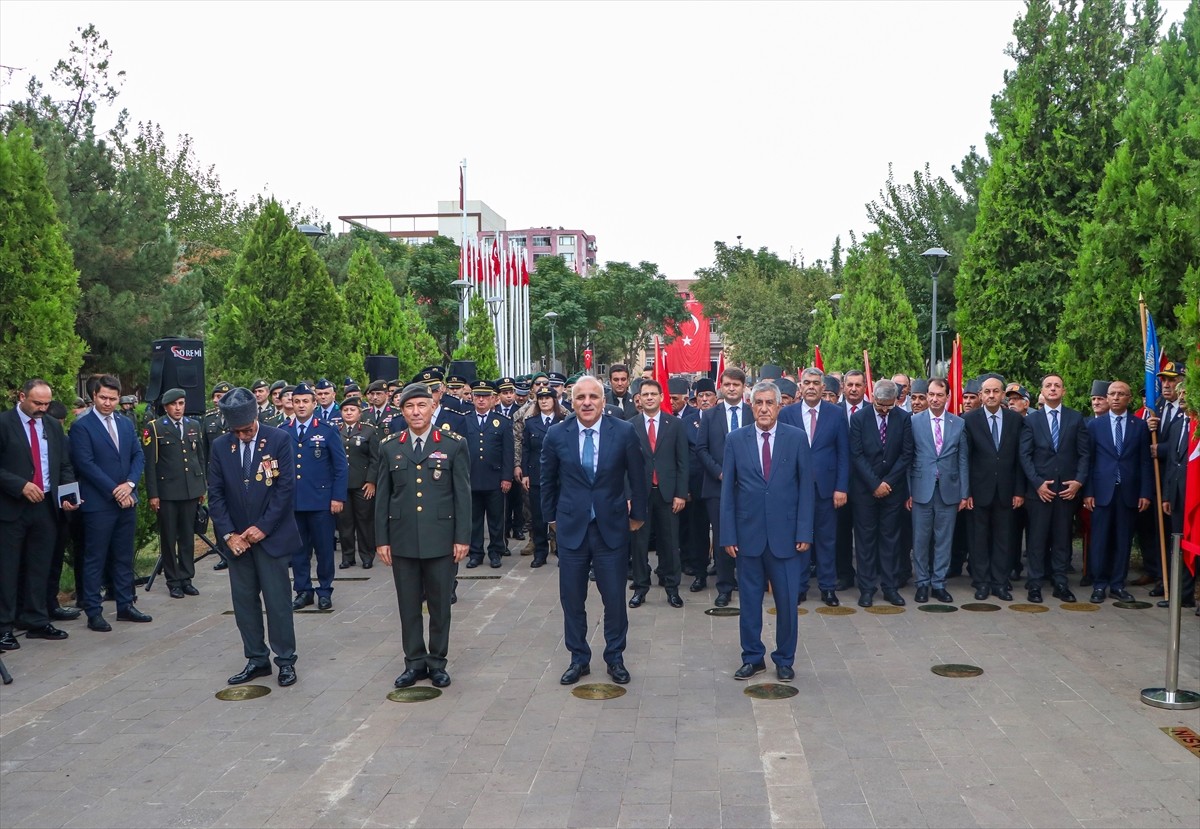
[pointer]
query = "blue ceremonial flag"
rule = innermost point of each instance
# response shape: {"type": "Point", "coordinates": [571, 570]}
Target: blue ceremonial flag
{"type": "Point", "coordinates": [1153, 355]}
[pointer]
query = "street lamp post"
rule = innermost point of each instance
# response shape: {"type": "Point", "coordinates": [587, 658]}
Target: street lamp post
{"type": "Point", "coordinates": [494, 303]}
{"type": "Point", "coordinates": [462, 285]}
{"type": "Point", "coordinates": [552, 317]}
{"type": "Point", "coordinates": [935, 258]}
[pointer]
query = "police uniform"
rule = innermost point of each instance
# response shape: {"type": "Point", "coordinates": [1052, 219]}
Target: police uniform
{"type": "Point", "coordinates": [514, 501]}
{"type": "Point", "coordinates": [451, 401]}
{"type": "Point", "coordinates": [356, 521]}
{"type": "Point", "coordinates": [489, 438]}
{"type": "Point", "coordinates": [175, 462]}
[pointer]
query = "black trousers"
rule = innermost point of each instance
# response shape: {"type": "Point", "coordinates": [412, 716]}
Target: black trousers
{"type": "Point", "coordinates": [694, 539]}
{"type": "Point", "coordinates": [62, 533]}
{"type": "Point", "coordinates": [26, 547]}
{"type": "Point", "coordinates": [259, 581]}
{"type": "Point", "coordinates": [176, 540]}
{"type": "Point", "coordinates": [991, 539]}
{"type": "Point", "coordinates": [487, 504]}
{"type": "Point", "coordinates": [1048, 547]}
{"type": "Point", "coordinates": [726, 568]}
{"type": "Point", "coordinates": [514, 509]}
{"type": "Point", "coordinates": [431, 580]}
{"type": "Point", "coordinates": [537, 524]}
{"type": "Point", "coordinates": [877, 541]}
{"type": "Point", "coordinates": [845, 543]}
{"type": "Point", "coordinates": [356, 528]}
{"type": "Point", "coordinates": [664, 525]}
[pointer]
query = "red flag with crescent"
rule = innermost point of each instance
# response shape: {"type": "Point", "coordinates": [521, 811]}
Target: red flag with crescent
{"type": "Point", "coordinates": [688, 352]}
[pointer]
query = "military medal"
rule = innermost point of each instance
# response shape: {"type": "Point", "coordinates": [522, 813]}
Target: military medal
{"type": "Point", "coordinates": [258, 477]}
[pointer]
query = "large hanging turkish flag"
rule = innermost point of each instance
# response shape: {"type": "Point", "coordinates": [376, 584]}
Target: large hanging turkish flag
{"type": "Point", "coordinates": [688, 352]}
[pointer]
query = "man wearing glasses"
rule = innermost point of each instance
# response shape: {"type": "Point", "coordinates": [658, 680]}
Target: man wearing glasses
{"type": "Point", "coordinates": [903, 384]}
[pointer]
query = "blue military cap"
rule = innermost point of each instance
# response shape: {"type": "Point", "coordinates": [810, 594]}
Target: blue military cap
{"type": "Point", "coordinates": [321, 384]}
{"type": "Point", "coordinates": [557, 379]}
{"type": "Point", "coordinates": [305, 388]}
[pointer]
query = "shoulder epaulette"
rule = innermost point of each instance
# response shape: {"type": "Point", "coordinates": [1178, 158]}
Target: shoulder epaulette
{"type": "Point", "coordinates": [392, 436]}
{"type": "Point", "coordinates": [452, 435]}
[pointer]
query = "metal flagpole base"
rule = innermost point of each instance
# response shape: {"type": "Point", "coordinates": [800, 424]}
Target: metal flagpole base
{"type": "Point", "coordinates": [1173, 700]}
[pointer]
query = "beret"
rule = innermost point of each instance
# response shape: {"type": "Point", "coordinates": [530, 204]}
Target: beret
{"type": "Point", "coordinates": [356, 402]}
{"type": "Point", "coordinates": [259, 384]}
{"type": "Point", "coordinates": [222, 388]}
{"type": "Point", "coordinates": [415, 391]}
{"type": "Point", "coordinates": [171, 395]}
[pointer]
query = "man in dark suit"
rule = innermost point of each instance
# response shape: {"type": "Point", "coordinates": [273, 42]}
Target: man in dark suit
{"type": "Point", "coordinates": [251, 484]}
{"type": "Point", "coordinates": [937, 480]}
{"type": "Point", "coordinates": [33, 464]}
{"type": "Point", "coordinates": [996, 489]}
{"type": "Point", "coordinates": [356, 524]}
{"type": "Point", "coordinates": [1173, 452]}
{"type": "Point", "coordinates": [828, 434]}
{"type": "Point", "coordinates": [108, 461]}
{"type": "Point", "coordinates": [1121, 485]}
{"type": "Point", "coordinates": [1056, 459]}
{"type": "Point", "coordinates": [767, 495]}
{"type": "Point", "coordinates": [854, 392]}
{"type": "Point", "coordinates": [320, 497]}
{"type": "Point", "coordinates": [694, 540]}
{"type": "Point", "coordinates": [587, 462]}
{"type": "Point", "coordinates": [423, 526]}
{"type": "Point", "coordinates": [174, 451]}
{"type": "Point", "coordinates": [665, 453]}
{"type": "Point", "coordinates": [1167, 409]}
{"type": "Point", "coordinates": [881, 451]}
{"type": "Point", "coordinates": [489, 437]}
{"type": "Point", "coordinates": [533, 428]}
{"type": "Point", "coordinates": [727, 416]}
{"type": "Point", "coordinates": [620, 395]}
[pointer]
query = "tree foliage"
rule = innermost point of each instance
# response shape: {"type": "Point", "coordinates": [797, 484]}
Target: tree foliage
{"type": "Point", "coordinates": [480, 342]}
{"type": "Point", "coordinates": [627, 306]}
{"type": "Point", "coordinates": [281, 316]}
{"type": "Point", "coordinates": [38, 279]}
{"type": "Point", "coordinates": [555, 287]}
{"type": "Point", "coordinates": [432, 269]}
{"type": "Point", "coordinates": [381, 321]}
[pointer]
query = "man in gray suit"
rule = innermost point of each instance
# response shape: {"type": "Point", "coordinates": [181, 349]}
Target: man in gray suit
{"type": "Point", "coordinates": [938, 482]}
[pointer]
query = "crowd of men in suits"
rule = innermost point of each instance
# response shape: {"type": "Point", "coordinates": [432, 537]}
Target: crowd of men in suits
{"type": "Point", "coordinates": [775, 485]}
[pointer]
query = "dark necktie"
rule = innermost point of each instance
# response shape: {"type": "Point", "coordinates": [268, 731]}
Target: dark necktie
{"type": "Point", "coordinates": [733, 418]}
{"type": "Point", "coordinates": [418, 445]}
{"type": "Point", "coordinates": [995, 432]}
{"type": "Point", "coordinates": [247, 462]}
{"type": "Point", "coordinates": [883, 431]}
{"type": "Point", "coordinates": [300, 434]}
{"type": "Point", "coordinates": [1120, 445]}
{"type": "Point", "coordinates": [766, 454]}
{"type": "Point", "coordinates": [179, 426]}
{"type": "Point", "coordinates": [36, 446]}
{"type": "Point", "coordinates": [1054, 428]}
{"type": "Point", "coordinates": [548, 422]}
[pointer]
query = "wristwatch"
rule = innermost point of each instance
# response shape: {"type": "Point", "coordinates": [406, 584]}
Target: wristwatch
{"type": "Point", "coordinates": [229, 536]}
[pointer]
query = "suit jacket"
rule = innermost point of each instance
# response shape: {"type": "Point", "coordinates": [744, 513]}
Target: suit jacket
{"type": "Point", "coordinates": [1173, 453]}
{"type": "Point", "coordinates": [830, 447]}
{"type": "Point", "coordinates": [321, 468]}
{"type": "Point", "coordinates": [491, 450]}
{"type": "Point", "coordinates": [16, 462]}
{"type": "Point", "coordinates": [714, 427]}
{"type": "Point", "coordinates": [669, 458]}
{"type": "Point", "coordinates": [361, 443]}
{"type": "Point", "coordinates": [625, 403]}
{"type": "Point", "coordinates": [568, 495]}
{"type": "Point", "coordinates": [875, 463]}
{"type": "Point", "coordinates": [950, 470]}
{"type": "Point", "coordinates": [995, 473]}
{"type": "Point", "coordinates": [423, 499]}
{"type": "Point", "coordinates": [760, 515]}
{"type": "Point", "coordinates": [1133, 464]}
{"type": "Point", "coordinates": [175, 464]}
{"type": "Point", "coordinates": [534, 437]}
{"type": "Point", "coordinates": [1040, 462]}
{"type": "Point", "coordinates": [235, 505]}
{"type": "Point", "coordinates": [99, 465]}
{"type": "Point", "coordinates": [845, 407]}
{"type": "Point", "coordinates": [690, 418]}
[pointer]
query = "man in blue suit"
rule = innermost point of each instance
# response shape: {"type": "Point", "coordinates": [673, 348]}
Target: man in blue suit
{"type": "Point", "coordinates": [828, 434]}
{"type": "Point", "coordinates": [767, 495]}
{"type": "Point", "coordinates": [251, 484]}
{"type": "Point", "coordinates": [1120, 486]}
{"type": "Point", "coordinates": [108, 462]}
{"type": "Point", "coordinates": [937, 481]}
{"type": "Point", "coordinates": [322, 481]}
{"type": "Point", "coordinates": [693, 520]}
{"type": "Point", "coordinates": [587, 463]}
{"type": "Point", "coordinates": [729, 414]}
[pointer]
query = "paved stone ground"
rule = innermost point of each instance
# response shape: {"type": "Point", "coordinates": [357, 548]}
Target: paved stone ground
{"type": "Point", "coordinates": [123, 730]}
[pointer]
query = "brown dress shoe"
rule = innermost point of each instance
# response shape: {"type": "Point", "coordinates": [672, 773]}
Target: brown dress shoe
{"type": "Point", "coordinates": [1143, 581]}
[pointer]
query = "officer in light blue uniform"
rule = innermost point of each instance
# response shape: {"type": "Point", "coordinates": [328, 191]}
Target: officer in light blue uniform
{"type": "Point", "coordinates": [321, 486]}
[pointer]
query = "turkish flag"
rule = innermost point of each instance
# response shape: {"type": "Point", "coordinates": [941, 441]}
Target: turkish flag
{"type": "Point", "coordinates": [688, 352]}
{"type": "Point", "coordinates": [1191, 506]}
{"type": "Point", "coordinates": [818, 361]}
{"type": "Point", "coordinates": [662, 374]}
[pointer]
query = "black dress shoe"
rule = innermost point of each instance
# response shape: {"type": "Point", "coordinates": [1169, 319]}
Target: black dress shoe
{"type": "Point", "coordinates": [189, 590]}
{"type": "Point", "coordinates": [673, 599]}
{"type": "Point", "coordinates": [637, 599]}
{"type": "Point", "coordinates": [221, 565]}
{"type": "Point", "coordinates": [722, 600]}
{"type": "Point", "coordinates": [538, 562]}
{"type": "Point", "coordinates": [1035, 595]}
{"type": "Point", "coordinates": [494, 563]}
{"type": "Point", "coordinates": [410, 677]}
{"type": "Point", "coordinates": [699, 583]}
{"type": "Point", "coordinates": [1003, 594]}
{"type": "Point", "coordinates": [922, 594]}
{"type": "Point", "coordinates": [1097, 596]}
{"type": "Point", "coordinates": [98, 623]}
{"type": "Point", "coordinates": [132, 614]}
{"type": "Point", "coordinates": [1157, 591]}
{"type": "Point", "coordinates": [454, 594]}
{"type": "Point", "coordinates": [472, 563]}
{"type": "Point", "coordinates": [439, 678]}
{"type": "Point", "coordinates": [46, 632]}
{"type": "Point", "coordinates": [982, 593]}
{"type": "Point", "coordinates": [802, 598]}
{"type": "Point", "coordinates": [845, 584]}
{"type": "Point", "coordinates": [367, 565]}
{"type": "Point", "coordinates": [251, 671]}
{"type": "Point", "coordinates": [689, 571]}
{"type": "Point", "coordinates": [64, 614]}
{"type": "Point", "coordinates": [866, 600]}
{"type": "Point", "coordinates": [618, 673]}
{"type": "Point", "coordinates": [324, 603]}
{"type": "Point", "coordinates": [943, 595]}
{"type": "Point", "coordinates": [749, 669]}
{"type": "Point", "coordinates": [1122, 595]}
{"type": "Point", "coordinates": [518, 535]}
{"type": "Point", "coordinates": [175, 592]}
{"type": "Point", "coordinates": [287, 676]}
{"type": "Point", "coordinates": [345, 565]}
{"type": "Point", "coordinates": [8, 642]}
{"type": "Point", "coordinates": [830, 598]}
{"type": "Point", "coordinates": [785, 673]}
{"type": "Point", "coordinates": [1064, 594]}
{"type": "Point", "coordinates": [302, 600]}
{"type": "Point", "coordinates": [572, 674]}
{"type": "Point", "coordinates": [893, 597]}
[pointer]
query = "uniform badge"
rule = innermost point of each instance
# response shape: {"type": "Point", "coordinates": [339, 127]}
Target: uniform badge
{"type": "Point", "coordinates": [496, 423]}
{"type": "Point", "coordinates": [358, 440]}
{"type": "Point", "coordinates": [437, 474]}
{"type": "Point", "coordinates": [145, 437]}
{"type": "Point", "coordinates": [445, 427]}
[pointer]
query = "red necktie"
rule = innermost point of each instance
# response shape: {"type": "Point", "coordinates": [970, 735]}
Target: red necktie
{"type": "Point", "coordinates": [653, 443]}
{"type": "Point", "coordinates": [812, 425]}
{"type": "Point", "coordinates": [766, 454]}
{"type": "Point", "coordinates": [37, 457]}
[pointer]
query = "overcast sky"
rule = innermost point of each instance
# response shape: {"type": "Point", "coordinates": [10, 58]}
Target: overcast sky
{"type": "Point", "coordinates": [660, 128]}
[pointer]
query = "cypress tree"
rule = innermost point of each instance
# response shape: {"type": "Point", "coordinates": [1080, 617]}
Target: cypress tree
{"type": "Point", "coordinates": [38, 279]}
{"type": "Point", "coordinates": [480, 342]}
{"type": "Point", "coordinates": [372, 307]}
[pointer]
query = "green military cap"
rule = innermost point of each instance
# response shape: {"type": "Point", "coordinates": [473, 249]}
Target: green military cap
{"type": "Point", "coordinates": [377, 385]}
{"type": "Point", "coordinates": [259, 384]}
{"type": "Point", "coordinates": [354, 401]}
{"type": "Point", "coordinates": [414, 391]}
{"type": "Point", "coordinates": [222, 388]}
{"type": "Point", "coordinates": [277, 385]}
{"type": "Point", "coordinates": [171, 395]}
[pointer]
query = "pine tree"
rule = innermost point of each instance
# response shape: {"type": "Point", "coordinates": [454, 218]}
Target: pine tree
{"type": "Point", "coordinates": [418, 347]}
{"type": "Point", "coordinates": [874, 314]}
{"type": "Point", "coordinates": [281, 316]}
{"type": "Point", "coordinates": [480, 343]}
{"type": "Point", "coordinates": [38, 279]}
{"type": "Point", "coordinates": [1144, 236]}
{"type": "Point", "coordinates": [372, 307]}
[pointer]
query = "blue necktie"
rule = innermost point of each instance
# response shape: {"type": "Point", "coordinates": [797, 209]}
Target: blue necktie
{"type": "Point", "coordinates": [247, 462]}
{"type": "Point", "coordinates": [995, 432]}
{"type": "Point", "coordinates": [733, 413]}
{"type": "Point", "coordinates": [1054, 428]}
{"type": "Point", "coordinates": [589, 455]}
{"type": "Point", "coordinates": [1120, 444]}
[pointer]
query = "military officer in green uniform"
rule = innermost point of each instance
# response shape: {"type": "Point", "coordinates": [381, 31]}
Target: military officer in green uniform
{"type": "Point", "coordinates": [262, 396]}
{"type": "Point", "coordinates": [423, 526]}
{"type": "Point", "coordinates": [356, 521]}
{"type": "Point", "coordinates": [175, 463]}
{"type": "Point", "coordinates": [212, 426]}
{"type": "Point", "coordinates": [379, 411]}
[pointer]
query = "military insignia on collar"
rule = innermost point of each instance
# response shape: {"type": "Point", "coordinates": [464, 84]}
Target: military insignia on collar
{"type": "Point", "coordinates": [437, 437]}
{"type": "Point", "coordinates": [404, 436]}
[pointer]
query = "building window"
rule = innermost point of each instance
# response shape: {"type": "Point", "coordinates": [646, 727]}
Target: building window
{"type": "Point", "coordinates": [566, 241]}
{"type": "Point", "coordinates": [517, 240]}
{"type": "Point", "coordinates": [541, 241]}
{"type": "Point", "coordinates": [538, 256]}
{"type": "Point", "coordinates": [568, 257]}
